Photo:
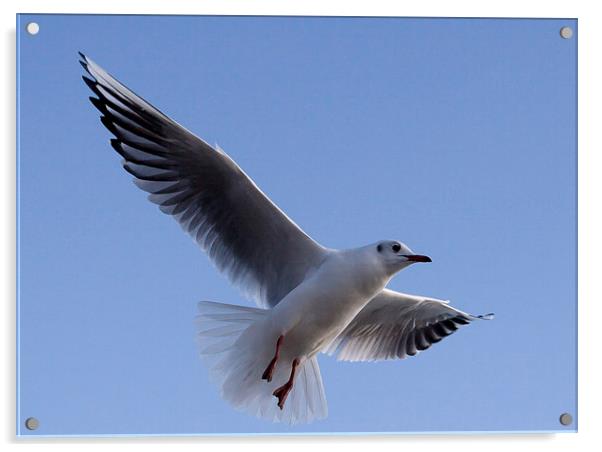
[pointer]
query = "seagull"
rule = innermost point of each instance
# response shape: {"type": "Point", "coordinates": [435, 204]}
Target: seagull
{"type": "Point", "coordinates": [311, 299]}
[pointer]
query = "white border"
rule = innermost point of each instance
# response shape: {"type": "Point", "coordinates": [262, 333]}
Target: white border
{"type": "Point", "coordinates": [590, 185]}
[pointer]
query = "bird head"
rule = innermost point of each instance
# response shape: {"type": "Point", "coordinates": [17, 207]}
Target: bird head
{"type": "Point", "coordinates": [396, 256]}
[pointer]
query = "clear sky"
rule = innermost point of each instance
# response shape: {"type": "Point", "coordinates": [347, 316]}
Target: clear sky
{"type": "Point", "coordinates": [457, 137]}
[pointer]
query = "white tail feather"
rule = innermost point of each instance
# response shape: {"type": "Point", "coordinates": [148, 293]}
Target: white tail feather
{"type": "Point", "coordinates": [237, 343]}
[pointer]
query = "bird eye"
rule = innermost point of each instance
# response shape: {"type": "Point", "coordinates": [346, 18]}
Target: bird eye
{"type": "Point", "coordinates": [396, 247]}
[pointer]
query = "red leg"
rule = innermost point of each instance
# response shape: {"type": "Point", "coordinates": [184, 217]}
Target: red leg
{"type": "Point", "coordinates": [267, 373]}
{"type": "Point", "coordinates": [283, 391]}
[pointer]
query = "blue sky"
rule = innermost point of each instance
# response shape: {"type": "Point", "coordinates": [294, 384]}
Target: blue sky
{"type": "Point", "coordinates": [457, 137]}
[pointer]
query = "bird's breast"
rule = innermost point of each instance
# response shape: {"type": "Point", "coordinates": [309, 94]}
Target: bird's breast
{"type": "Point", "coordinates": [317, 310]}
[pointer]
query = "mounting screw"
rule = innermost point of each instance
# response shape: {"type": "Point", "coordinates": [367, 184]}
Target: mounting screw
{"type": "Point", "coordinates": [566, 419]}
{"type": "Point", "coordinates": [566, 32]}
{"type": "Point", "coordinates": [33, 28]}
{"type": "Point", "coordinates": [31, 423]}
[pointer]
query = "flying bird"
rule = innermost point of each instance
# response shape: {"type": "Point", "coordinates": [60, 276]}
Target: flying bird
{"type": "Point", "coordinates": [310, 298]}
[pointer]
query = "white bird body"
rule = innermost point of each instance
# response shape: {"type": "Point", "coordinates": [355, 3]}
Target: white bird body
{"type": "Point", "coordinates": [308, 319]}
{"type": "Point", "coordinates": [312, 299]}
{"type": "Point", "coordinates": [317, 310]}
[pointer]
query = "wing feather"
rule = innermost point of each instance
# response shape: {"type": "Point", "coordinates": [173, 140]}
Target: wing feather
{"type": "Point", "coordinates": [247, 237]}
{"type": "Point", "coordinates": [395, 325]}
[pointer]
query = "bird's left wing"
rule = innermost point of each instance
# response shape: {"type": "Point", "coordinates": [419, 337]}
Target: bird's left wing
{"type": "Point", "coordinates": [394, 325]}
{"type": "Point", "coordinates": [248, 237]}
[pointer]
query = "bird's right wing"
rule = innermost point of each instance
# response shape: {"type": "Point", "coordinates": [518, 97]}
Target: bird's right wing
{"type": "Point", "coordinates": [247, 236]}
{"type": "Point", "coordinates": [394, 325]}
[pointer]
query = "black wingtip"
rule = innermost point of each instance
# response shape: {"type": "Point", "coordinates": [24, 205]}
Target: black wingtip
{"type": "Point", "coordinates": [489, 316]}
{"type": "Point", "coordinates": [460, 320]}
{"type": "Point", "coordinates": [449, 325]}
{"type": "Point", "coordinates": [109, 124]}
{"type": "Point", "coordinates": [91, 84]}
{"type": "Point", "coordinates": [86, 68]}
{"type": "Point", "coordinates": [84, 58]}
{"type": "Point", "coordinates": [116, 144]}
{"type": "Point", "coordinates": [98, 104]}
{"type": "Point", "coordinates": [84, 62]}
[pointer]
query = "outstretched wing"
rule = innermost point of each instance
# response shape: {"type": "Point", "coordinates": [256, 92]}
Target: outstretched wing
{"type": "Point", "coordinates": [395, 325]}
{"type": "Point", "coordinates": [249, 238]}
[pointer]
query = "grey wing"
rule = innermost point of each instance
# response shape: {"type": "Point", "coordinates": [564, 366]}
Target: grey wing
{"type": "Point", "coordinates": [395, 325]}
{"type": "Point", "coordinates": [249, 238]}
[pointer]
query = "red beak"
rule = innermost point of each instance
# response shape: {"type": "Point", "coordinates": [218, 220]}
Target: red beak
{"type": "Point", "coordinates": [417, 258]}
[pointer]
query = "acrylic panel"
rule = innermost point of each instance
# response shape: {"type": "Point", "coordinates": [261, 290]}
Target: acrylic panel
{"type": "Point", "coordinates": [444, 148]}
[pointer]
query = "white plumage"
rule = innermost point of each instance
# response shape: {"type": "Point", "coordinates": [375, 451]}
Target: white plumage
{"type": "Point", "coordinates": [312, 299]}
